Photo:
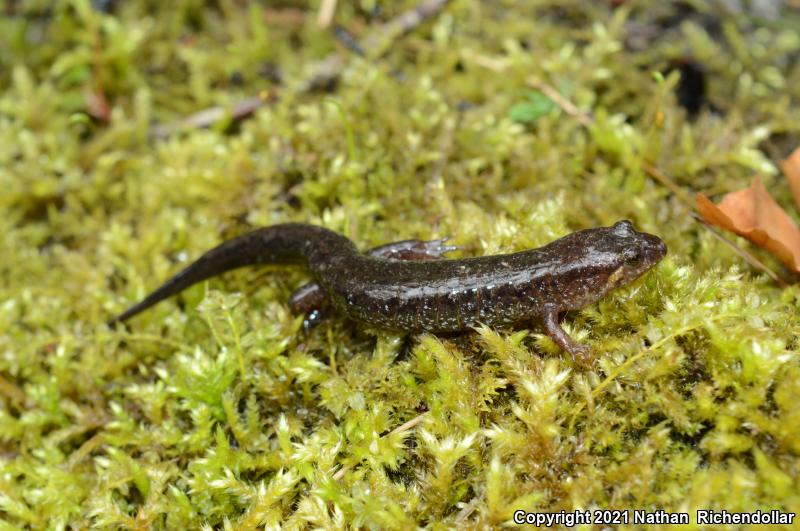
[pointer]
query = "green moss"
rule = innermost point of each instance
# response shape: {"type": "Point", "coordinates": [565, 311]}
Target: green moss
{"type": "Point", "coordinates": [216, 410]}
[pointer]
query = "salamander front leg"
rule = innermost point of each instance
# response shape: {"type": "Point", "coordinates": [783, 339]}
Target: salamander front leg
{"type": "Point", "coordinates": [311, 299]}
{"type": "Point", "coordinates": [580, 353]}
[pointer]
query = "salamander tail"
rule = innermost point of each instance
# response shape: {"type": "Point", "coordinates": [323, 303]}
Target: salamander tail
{"type": "Point", "coordinates": [289, 243]}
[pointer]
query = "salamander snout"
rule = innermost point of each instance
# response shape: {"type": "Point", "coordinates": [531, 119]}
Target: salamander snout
{"type": "Point", "coordinates": [641, 252]}
{"type": "Point", "coordinates": [653, 248]}
{"type": "Point", "coordinates": [659, 248]}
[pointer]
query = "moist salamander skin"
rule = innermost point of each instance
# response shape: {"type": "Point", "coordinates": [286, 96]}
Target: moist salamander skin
{"type": "Point", "coordinates": [440, 295]}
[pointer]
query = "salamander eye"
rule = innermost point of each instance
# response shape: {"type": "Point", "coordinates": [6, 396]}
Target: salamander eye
{"type": "Point", "coordinates": [632, 255]}
{"type": "Point", "coordinates": [623, 228]}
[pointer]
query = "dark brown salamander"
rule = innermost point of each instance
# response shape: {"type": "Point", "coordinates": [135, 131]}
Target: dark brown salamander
{"type": "Point", "coordinates": [408, 286]}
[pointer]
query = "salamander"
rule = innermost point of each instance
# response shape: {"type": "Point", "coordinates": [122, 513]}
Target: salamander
{"type": "Point", "coordinates": [410, 286]}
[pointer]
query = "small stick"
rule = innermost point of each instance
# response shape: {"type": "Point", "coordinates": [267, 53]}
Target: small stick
{"type": "Point", "coordinates": [347, 40]}
{"type": "Point", "coordinates": [326, 10]}
{"type": "Point", "coordinates": [566, 105]}
{"type": "Point", "coordinates": [408, 21]}
{"type": "Point", "coordinates": [749, 258]}
{"type": "Point", "coordinates": [408, 424]}
{"type": "Point", "coordinates": [210, 116]}
{"type": "Point", "coordinates": [654, 172]}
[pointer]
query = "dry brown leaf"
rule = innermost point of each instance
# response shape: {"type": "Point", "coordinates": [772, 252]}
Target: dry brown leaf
{"type": "Point", "coordinates": [791, 169]}
{"type": "Point", "coordinates": [753, 214]}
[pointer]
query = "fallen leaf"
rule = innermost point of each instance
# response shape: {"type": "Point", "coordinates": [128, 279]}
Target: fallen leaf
{"type": "Point", "coordinates": [753, 214]}
{"type": "Point", "coordinates": [791, 169]}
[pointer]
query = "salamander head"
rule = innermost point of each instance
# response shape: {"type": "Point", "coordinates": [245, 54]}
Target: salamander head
{"type": "Point", "coordinates": [638, 252]}
{"type": "Point", "coordinates": [606, 258]}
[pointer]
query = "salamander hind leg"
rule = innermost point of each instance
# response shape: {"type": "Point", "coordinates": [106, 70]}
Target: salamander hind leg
{"type": "Point", "coordinates": [310, 299]}
{"type": "Point", "coordinates": [580, 353]}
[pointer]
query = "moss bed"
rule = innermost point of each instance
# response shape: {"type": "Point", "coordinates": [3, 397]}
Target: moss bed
{"type": "Point", "coordinates": [215, 409]}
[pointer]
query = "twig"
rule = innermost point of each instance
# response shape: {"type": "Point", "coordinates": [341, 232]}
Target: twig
{"type": "Point", "coordinates": [210, 116]}
{"type": "Point", "coordinates": [408, 424]}
{"type": "Point", "coordinates": [348, 41]}
{"type": "Point", "coordinates": [325, 75]}
{"type": "Point", "coordinates": [749, 258]}
{"type": "Point", "coordinates": [653, 171]}
{"type": "Point", "coordinates": [326, 10]}
{"type": "Point", "coordinates": [408, 21]}
{"type": "Point", "coordinates": [566, 105]}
